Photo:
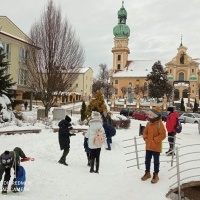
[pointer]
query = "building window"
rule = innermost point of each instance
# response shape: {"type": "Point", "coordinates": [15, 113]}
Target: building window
{"type": "Point", "coordinates": [116, 81]}
{"type": "Point", "coordinates": [22, 55]}
{"type": "Point", "coordinates": [130, 84]}
{"type": "Point", "coordinates": [6, 50]}
{"type": "Point", "coordinates": [22, 78]}
{"type": "Point", "coordinates": [137, 82]}
{"type": "Point", "coordinates": [119, 57]}
{"type": "Point", "coordinates": [192, 70]}
{"type": "Point", "coordinates": [116, 91]}
{"type": "Point", "coordinates": [118, 66]}
{"type": "Point", "coordinates": [181, 76]}
{"type": "Point", "coordinates": [170, 71]}
{"type": "Point", "coordinates": [77, 85]}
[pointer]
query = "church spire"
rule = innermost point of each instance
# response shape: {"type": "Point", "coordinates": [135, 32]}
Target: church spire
{"type": "Point", "coordinates": [181, 41]}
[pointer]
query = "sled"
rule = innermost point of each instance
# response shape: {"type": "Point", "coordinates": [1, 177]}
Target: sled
{"type": "Point", "coordinates": [27, 159]}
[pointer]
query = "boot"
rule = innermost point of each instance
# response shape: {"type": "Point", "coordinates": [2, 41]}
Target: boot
{"type": "Point", "coordinates": [155, 178]}
{"type": "Point", "coordinates": [4, 190]}
{"type": "Point", "coordinates": [167, 151]}
{"type": "Point", "coordinates": [146, 176]}
{"type": "Point", "coordinates": [97, 167]}
{"type": "Point", "coordinates": [62, 162]}
{"type": "Point", "coordinates": [108, 148]}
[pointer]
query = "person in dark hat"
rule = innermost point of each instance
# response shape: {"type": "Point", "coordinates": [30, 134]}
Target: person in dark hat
{"type": "Point", "coordinates": [9, 160]}
{"type": "Point", "coordinates": [64, 138]}
{"type": "Point", "coordinates": [171, 121]}
{"type": "Point", "coordinates": [153, 135]}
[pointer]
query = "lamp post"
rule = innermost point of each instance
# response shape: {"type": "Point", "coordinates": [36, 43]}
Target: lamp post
{"type": "Point", "coordinates": [189, 96]}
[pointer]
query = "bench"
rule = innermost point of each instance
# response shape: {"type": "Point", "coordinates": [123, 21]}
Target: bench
{"type": "Point", "coordinates": [74, 130]}
{"type": "Point", "coordinates": [12, 132]}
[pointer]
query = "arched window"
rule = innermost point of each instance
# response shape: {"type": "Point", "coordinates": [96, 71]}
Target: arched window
{"type": "Point", "coordinates": [119, 57]}
{"type": "Point", "coordinates": [130, 84]}
{"type": "Point", "coordinates": [118, 66]}
{"type": "Point", "coordinates": [181, 76]}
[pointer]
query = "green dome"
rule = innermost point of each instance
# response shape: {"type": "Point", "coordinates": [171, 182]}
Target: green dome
{"type": "Point", "coordinates": [121, 30]}
{"type": "Point", "coordinates": [122, 12]}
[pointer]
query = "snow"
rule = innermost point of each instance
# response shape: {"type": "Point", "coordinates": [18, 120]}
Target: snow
{"type": "Point", "coordinates": [46, 179]}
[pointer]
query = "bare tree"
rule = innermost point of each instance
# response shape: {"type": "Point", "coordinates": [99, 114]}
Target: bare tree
{"type": "Point", "coordinates": [102, 82]}
{"type": "Point", "coordinates": [54, 68]}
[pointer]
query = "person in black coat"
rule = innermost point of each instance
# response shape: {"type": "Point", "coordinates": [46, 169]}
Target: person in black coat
{"type": "Point", "coordinates": [64, 138]}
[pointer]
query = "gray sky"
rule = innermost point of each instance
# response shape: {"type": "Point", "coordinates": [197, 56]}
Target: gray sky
{"type": "Point", "coordinates": [156, 25]}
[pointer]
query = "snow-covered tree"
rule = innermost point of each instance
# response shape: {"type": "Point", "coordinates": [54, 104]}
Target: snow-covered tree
{"type": "Point", "coordinates": [158, 82]}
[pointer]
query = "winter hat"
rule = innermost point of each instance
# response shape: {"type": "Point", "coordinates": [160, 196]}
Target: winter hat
{"type": "Point", "coordinates": [96, 115]}
{"type": "Point", "coordinates": [67, 118]}
{"type": "Point", "coordinates": [155, 111]}
{"type": "Point", "coordinates": [171, 109]}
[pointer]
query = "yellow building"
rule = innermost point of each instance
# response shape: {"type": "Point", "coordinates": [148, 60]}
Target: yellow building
{"type": "Point", "coordinates": [14, 43]}
{"type": "Point", "coordinates": [184, 73]}
{"type": "Point", "coordinates": [83, 83]}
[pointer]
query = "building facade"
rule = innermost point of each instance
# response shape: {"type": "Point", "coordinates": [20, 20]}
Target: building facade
{"type": "Point", "coordinates": [14, 43]}
{"type": "Point", "coordinates": [183, 70]}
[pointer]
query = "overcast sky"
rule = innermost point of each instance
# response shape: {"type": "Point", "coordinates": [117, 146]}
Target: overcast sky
{"type": "Point", "coordinates": [156, 25]}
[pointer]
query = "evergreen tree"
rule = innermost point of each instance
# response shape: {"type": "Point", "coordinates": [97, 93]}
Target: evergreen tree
{"type": "Point", "coordinates": [97, 104]}
{"type": "Point", "coordinates": [5, 79]}
{"type": "Point", "coordinates": [83, 111]}
{"type": "Point", "coordinates": [196, 105]}
{"type": "Point", "coordinates": [182, 108]}
{"type": "Point", "coordinates": [158, 82]}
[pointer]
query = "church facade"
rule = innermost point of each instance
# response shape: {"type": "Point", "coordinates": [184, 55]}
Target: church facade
{"type": "Point", "coordinates": [183, 70]}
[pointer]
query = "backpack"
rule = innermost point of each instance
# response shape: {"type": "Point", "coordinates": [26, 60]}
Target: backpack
{"type": "Point", "coordinates": [178, 126]}
{"type": "Point", "coordinates": [99, 138]}
{"type": "Point", "coordinates": [20, 178]}
{"type": "Point", "coordinates": [7, 159]}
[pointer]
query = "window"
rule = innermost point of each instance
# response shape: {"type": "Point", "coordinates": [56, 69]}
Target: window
{"type": "Point", "coordinates": [77, 85]}
{"type": "Point", "coordinates": [22, 78]}
{"type": "Point", "coordinates": [6, 50]}
{"type": "Point", "coordinates": [118, 66]}
{"type": "Point", "coordinates": [22, 55]}
{"type": "Point", "coordinates": [170, 71]}
{"type": "Point", "coordinates": [181, 76]}
{"type": "Point", "coordinates": [130, 84]}
{"type": "Point", "coordinates": [116, 91]}
{"type": "Point", "coordinates": [119, 57]}
{"type": "Point", "coordinates": [116, 81]}
{"type": "Point", "coordinates": [192, 70]}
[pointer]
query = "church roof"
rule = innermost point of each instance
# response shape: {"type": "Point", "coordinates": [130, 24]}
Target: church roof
{"type": "Point", "coordinates": [136, 68]}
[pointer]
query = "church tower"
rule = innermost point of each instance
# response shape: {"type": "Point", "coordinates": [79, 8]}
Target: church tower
{"type": "Point", "coordinates": [121, 32]}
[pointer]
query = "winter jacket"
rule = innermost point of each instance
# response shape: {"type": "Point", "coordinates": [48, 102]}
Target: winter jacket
{"type": "Point", "coordinates": [154, 133]}
{"type": "Point", "coordinates": [171, 122]}
{"type": "Point", "coordinates": [95, 125]}
{"type": "Point", "coordinates": [16, 154]}
{"type": "Point", "coordinates": [109, 130]}
{"type": "Point", "coordinates": [64, 134]}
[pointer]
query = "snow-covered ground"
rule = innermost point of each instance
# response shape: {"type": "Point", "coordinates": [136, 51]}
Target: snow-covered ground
{"type": "Point", "coordinates": [46, 179]}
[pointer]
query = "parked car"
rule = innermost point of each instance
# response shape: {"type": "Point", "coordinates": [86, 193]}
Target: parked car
{"type": "Point", "coordinates": [140, 114]}
{"type": "Point", "coordinates": [189, 118]}
{"type": "Point", "coordinates": [126, 112]}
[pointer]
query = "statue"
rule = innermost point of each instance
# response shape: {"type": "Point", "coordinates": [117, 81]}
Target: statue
{"type": "Point", "coordinates": [182, 59]}
{"type": "Point", "coordinates": [138, 101]}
